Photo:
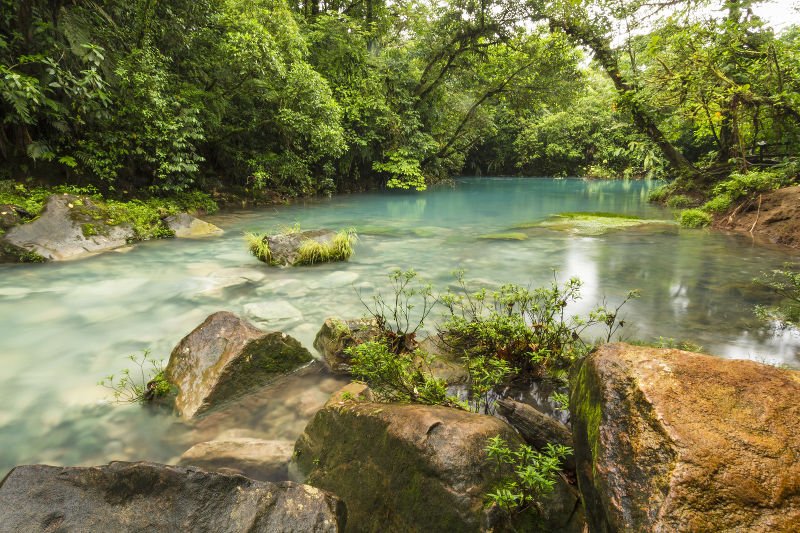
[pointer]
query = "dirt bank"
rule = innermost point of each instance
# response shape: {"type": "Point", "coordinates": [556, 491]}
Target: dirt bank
{"type": "Point", "coordinates": [772, 216]}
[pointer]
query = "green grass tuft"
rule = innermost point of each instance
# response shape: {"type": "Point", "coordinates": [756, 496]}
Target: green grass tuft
{"type": "Point", "coordinates": [339, 249]}
{"type": "Point", "coordinates": [258, 246]}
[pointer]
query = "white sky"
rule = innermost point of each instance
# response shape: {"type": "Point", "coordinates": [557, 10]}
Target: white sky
{"type": "Point", "coordinates": [779, 13]}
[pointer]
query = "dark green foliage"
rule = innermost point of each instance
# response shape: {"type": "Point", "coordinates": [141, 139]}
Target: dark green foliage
{"type": "Point", "coordinates": [533, 475]}
{"type": "Point", "coordinates": [694, 218]}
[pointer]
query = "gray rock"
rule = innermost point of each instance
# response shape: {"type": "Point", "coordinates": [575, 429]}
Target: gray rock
{"type": "Point", "coordinates": [9, 217]}
{"type": "Point", "coordinates": [284, 247]}
{"type": "Point", "coordinates": [66, 229]}
{"type": "Point", "coordinates": [226, 357]}
{"type": "Point", "coordinates": [152, 497]}
{"type": "Point", "coordinates": [185, 225]}
{"type": "Point", "coordinates": [414, 467]}
{"type": "Point", "coordinates": [264, 460]}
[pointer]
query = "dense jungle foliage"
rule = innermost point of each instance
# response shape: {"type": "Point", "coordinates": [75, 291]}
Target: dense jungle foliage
{"type": "Point", "coordinates": [303, 97]}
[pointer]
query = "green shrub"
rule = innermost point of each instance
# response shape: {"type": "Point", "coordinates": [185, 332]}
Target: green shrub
{"type": "Point", "coordinates": [398, 377]}
{"type": "Point", "coordinates": [533, 475]}
{"type": "Point", "coordinates": [694, 218]}
{"type": "Point", "coordinates": [739, 185]}
{"type": "Point", "coordinates": [718, 204]}
{"type": "Point", "coordinates": [659, 194]}
{"type": "Point", "coordinates": [679, 201]}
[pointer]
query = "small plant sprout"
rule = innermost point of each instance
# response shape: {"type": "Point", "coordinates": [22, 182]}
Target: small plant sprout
{"type": "Point", "coordinates": [561, 400]}
{"type": "Point", "coordinates": [144, 383]}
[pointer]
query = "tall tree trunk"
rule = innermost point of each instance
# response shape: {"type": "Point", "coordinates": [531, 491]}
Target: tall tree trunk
{"type": "Point", "coordinates": [644, 122]}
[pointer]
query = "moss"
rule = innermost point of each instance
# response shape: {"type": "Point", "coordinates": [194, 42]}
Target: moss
{"type": "Point", "coordinates": [595, 215]}
{"type": "Point", "coordinates": [594, 223]}
{"type": "Point", "coordinates": [510, 236]}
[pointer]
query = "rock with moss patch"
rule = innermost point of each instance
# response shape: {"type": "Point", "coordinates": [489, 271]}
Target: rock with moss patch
{"type": "Point", "coordinates": [184, 225]}
{"type": "Point", "coordinates": [507, 236]}
{"type": "Point", "coordinates": [69, 227]}
{"type": "Point", "coordinates": [667, 440]}
{"type": "Point", "coordinates": [594, 224]}
{"type": "Point", "coordinates": [263, 460]}
{"type": "Point", "coordinates": [152, 497]}
{"type": "Point", "coordinates": [412, 467]}
{"type": "Point", "coordinates": [295, 248]}
{"type": "Point", "coordinates": [226, 357]}
{"type": "Point", "coordinates": [10, 216]}
{"type": "Point", "coordinates": [337, 335]}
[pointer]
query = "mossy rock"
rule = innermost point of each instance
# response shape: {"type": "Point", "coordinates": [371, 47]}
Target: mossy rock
{"type": "Point", "coordinates": [298, 248]}
{"type": "Point", "coordinates": [593, 224]}
{"type": "Point", "coordinates": [413, 467]}
{"type": "Point", "coordinates": [508, 236]}
{"type": "Point", "coordinates": [668, 440]}
{"type": "Point", "coordinates": [225, 358]}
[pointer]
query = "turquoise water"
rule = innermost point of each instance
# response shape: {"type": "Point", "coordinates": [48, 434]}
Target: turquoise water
{"type": "Point", "coordinates": [65, 326]}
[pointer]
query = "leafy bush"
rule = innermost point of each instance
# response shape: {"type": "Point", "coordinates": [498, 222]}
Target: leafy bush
{"type": "Point", "coordinates": [533, 475]}
{"type": "Point", "coordinates": [694, 218]}
{"type": "Point", "coordinates": [398, 377]}
{"type": "Point", "coordinates": [659, 194]}
{"type": "Point", "coordinates": [786, 284]}
{"type": "Point", "coordinates": [718, 204]}
{"type": "Point", "coordinates": [739, 185]}
{"type": "Point", "coordinates": [146, 383]}
{"type": "Point", "coordinates": [679, 201]}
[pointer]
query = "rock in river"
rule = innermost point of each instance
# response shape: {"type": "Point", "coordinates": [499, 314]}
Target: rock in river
{"type": "Point", "coordinates": [264, 460]}
{"type": "Point", "coordinates": [151, 497]}
{"type": "Point", "coordinates": [401, 467]}
{"type": "Point", "coordinates": [667, 440]}
{"type": "Point", "coordinates": [67, 229]}
{"type": "Point", "coordinates": [226, 357]}
{"type": "Point", "coordinates": [186, 226]}
{"type": "Point", "coordinates": [336, 335]}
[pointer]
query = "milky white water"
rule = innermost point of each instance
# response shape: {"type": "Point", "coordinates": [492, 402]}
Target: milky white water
{"type": "Point", "coordinates": [65, 326]}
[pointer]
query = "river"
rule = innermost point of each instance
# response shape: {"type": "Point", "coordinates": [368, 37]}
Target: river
{"type": "Point", "coordinates": [64, 326]}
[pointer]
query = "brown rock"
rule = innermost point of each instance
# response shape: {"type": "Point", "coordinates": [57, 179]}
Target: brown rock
{"type": "Point", "coordinates": [667, 440]}
{"type": "Point", "coordinates": [226, 357]}
{"type": "Point", "coordinates": [337, 335]}
{"type": "Point", "coordinates": [402, 467]}
{"type": "Point", "coordinates": [263, 460]}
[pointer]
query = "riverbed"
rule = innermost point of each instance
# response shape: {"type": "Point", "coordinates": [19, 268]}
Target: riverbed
{"type": "Point", "coordinates": [65, 326]}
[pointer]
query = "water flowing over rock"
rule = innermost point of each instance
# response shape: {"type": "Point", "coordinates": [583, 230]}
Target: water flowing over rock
{"type": "Point", "coordinates": [667, 440]}
{"type": "Point", "coordinates": [66, 229]}
{"type": "Point", "coordinates": [226, 357]}
{"type": "Point", "coordinates": [412, 467]}
{"type": "Point", "coordinates": [152, 497]}
{"type": "Point", "coordinates": [264, 460]}
{"type": "Point", "coordinates": [186, 226]}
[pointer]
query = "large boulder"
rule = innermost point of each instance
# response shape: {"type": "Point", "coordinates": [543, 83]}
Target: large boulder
{"type": "Point", "coordinates": [69, 227]}
{"type": "Point", "coordinates": [305, 247]}
{"type": "Point", "coordinates": [667, 440]}
{"type": "Point", "coordinates": [226, 357]}
{"type": "Point", "coordinates": [337, 335]}
{"type": "Point", "coordinates": [184, 225]}
{"type": "Point", "coordinates": [152, 497]}
{"type": "Point", "coordinates": [412, 467]}
{"type": "Point", "coordinates": [264, 460]}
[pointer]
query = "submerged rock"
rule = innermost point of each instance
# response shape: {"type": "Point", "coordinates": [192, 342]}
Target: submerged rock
{"type": "Point", "coordinates": [152, 497]}
{"type": "Point", "coordinates": [226, 357]}
{"type": "Point", "coordinates": [337, 335]}
{"type": "Point", "coordinates": [667, 440]}
{"type": "Point", "coordinates": [185, 225]}
{"type": "Point", "coordinates": [264, 460]}
{"type": "Point", "coordinates": [69, 227]}
{"type": "Point", "coordinates": [412, 467]}
{"type": "Point", "coordinates": [593, 224]}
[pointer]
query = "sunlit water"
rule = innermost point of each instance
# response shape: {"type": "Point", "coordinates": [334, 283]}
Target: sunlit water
{"type": "Point", "coordinates": [65, 326]}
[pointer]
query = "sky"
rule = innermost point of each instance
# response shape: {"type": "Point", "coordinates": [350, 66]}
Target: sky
{"type": "Point", "coordinates": [779, 13]}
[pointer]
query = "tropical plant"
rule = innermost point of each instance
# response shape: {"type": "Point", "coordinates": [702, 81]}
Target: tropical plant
{"type": "Point", "coordinates": [145, 383]}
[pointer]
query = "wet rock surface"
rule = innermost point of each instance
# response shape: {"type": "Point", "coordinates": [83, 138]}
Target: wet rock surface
{"type": "Point", "coordinates": [186, 226]}
{"type": "Point", "coordinates": [226, 357]}
{"type": "Point", "coordinates": [152, 497]}
{"type": "Point", "coordinates": [337, 335]}
{"type": "Point", "coordinates": [284, 247]}
{"type": "Point", "coordinates": [667, 440]}
{"type": "Point", "coordinates": [411, 467]}
{"type": "Point", "coordinates": [263, 460]}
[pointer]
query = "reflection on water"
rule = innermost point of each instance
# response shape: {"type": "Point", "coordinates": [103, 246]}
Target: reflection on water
{"type": "Point", "coordinates": [65, 326]}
